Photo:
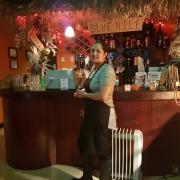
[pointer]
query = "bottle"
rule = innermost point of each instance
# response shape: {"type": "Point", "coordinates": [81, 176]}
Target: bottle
{"type": "Point", "coordinates": [119, 40]}
{"type": "Point", "coordinates": [138, 43]}
{"type": "Point", "coordinates": [135, 61]}
{"type": "Point", "coordinates": [126, 73]}
{"type": "Point", "coordinates": [135, 66]}
{"type": "Point", "coordinates": [147, 65]}
{"type": "Point", "coordinates": [147, 39]}
{"type": "Point", "coordinates": [112, 42]}
{"type": "Point", "coordinates": [166, 41]}
{"type": "Point", "coordinates": [103, 38]}
{"type": "Point", "coordinates": [159, 39]}
{"type": "Point", "coordinates": [106, 40]}
{"type": "Point", "coordinates": [127, 42]}
{"type": "Point", "coordinates": [82, 62]}
{"type": "Point", "coordinates": [97, 38]}
{"type": "Point", "coordinates": [110, 58]}
{"type": "Point", "coordinates": [133, 41]}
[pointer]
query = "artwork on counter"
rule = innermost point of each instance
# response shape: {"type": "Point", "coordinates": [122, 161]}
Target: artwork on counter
{"type": "Point", "coordinates": [12, 52]}
{"type": "Point", "coordinates": [13, 63]}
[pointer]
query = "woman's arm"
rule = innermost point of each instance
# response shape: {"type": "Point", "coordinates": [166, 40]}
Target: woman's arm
{"type": "Point", "coordinates": [107, 81]}
{"type": "Point", "coordinates": [98, 96]}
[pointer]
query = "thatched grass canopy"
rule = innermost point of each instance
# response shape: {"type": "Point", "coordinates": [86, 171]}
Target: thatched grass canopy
{"type": "Point", "coordinates": [117, 8]}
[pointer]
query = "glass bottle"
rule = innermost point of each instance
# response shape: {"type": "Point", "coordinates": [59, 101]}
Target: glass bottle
{"type": "Point", "coordinates": [166, 41]}
{"type": "Point", "coordinates": [106, 41]}
{"type": "Point", "coordinates": [147, 65]}
{"type": "Point", "coordinates": [127, 42]}
{"type": "Point", "coordinates": [138, 43]}
{"type": "Point", "coordinates": [133, 41]}
{"type": "Point", "coordinates": [112, 42]}
{"type": "Point", "coordinates": [147, 39]}
{"type": "Point", "coordinates": [103, 38]}
{"type": "Point", "coordinates": [159, 39]}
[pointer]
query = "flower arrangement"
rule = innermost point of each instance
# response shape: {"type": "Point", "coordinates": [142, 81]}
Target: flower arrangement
{"type": "Point", "coordinates": [43, 34]}
{"type": "Point", "coordinates": [33, 33]}
{"type": "Point", "coordinates": [39, 61]}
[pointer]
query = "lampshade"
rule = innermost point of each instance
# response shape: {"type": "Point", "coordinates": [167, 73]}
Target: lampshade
{"type": "Point", "coordinates": [69, 32]}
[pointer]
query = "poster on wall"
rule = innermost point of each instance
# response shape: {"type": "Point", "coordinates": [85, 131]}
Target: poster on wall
{"type": "Point", "coordinates": [13, 63]}
{"type": "Point", "coordinates": [12, 52]}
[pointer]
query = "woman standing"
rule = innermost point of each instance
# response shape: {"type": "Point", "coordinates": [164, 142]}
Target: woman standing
{"type": "Point", "coordinates": [98, 97]}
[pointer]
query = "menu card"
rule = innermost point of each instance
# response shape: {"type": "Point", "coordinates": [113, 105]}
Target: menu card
{"type": "Point", "coordinates": [64, 84]}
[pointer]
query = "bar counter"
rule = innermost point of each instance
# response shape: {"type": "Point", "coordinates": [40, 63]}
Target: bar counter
{"type": "Point", "coordinates": [41, 127]}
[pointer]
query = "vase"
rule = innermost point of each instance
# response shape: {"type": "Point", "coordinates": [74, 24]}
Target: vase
{"type": "Point", "coordinates": [34, 82]}
{"type": "Point", "coordinates": [17, 81]}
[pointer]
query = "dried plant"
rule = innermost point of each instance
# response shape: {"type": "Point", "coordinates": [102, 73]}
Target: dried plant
{"type": "Point", "coordinates": [114, 8]}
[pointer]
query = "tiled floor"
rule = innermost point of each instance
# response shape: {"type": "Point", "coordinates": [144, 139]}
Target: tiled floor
{"type": "Point", "coordinates": [56, 172]}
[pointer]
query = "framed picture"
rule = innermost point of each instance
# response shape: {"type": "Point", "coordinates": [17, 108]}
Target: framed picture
{"type": "Point", "coordinates": [27, 53]}
{"type": "Point", "coordinates": [13, 63]}
{"type": "Point", "coordinates": [12, 52]}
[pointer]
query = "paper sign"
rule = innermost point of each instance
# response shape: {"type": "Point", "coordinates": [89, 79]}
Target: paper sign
{"type": "Point", "coordinates": [64, 84]}
{"type": "Point", "coordinates": [140, 78]}
{"type": "Point", "coordinates": [120, 69]}
{"type": "Point", "coordinates": [154, 76]}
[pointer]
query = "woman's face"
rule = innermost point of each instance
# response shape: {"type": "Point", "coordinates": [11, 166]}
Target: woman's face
{"type": "Point", "coordinates": [97, 54]}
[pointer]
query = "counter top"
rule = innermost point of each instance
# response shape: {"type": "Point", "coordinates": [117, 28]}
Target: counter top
{"type": "Point", "coordinates": [119, 94]}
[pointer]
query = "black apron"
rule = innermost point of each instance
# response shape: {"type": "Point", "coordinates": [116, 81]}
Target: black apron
{"type": "Point", "coordinates": [94, 132]}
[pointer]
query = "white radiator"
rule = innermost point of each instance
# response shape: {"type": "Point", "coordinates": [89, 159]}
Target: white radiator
{"type": "Point", "coordinates": [127, 146]}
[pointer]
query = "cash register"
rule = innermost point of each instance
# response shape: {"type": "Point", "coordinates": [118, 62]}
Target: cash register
{"type": "Point", "coordinates": [59, 79]}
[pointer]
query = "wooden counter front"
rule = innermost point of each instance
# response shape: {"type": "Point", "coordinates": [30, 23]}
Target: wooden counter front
{"type": "Point", "coordinates": [158, 117]}
{"type": "Point", "coordinates": [41, 128]}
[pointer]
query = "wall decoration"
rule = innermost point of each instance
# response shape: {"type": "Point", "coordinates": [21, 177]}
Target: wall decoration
{"type": "Point", "coordinates": [13, 63]}
{"type": "Point", "coordinates": [12, 52]}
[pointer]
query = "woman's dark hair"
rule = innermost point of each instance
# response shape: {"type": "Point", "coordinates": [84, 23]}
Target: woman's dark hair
{"type": "Point", "coordinates": [104, 46]}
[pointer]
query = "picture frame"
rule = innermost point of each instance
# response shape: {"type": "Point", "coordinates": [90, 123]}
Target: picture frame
{"type": "Point", "coordinates": [13, 62]}
{"type": "Point", "coordinates": [12, 52]}
{"type": "Point", "coordinates": [27, 54]}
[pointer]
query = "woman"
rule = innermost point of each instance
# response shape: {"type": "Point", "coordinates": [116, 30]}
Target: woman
{"type": "Point", "coordinates": [94, 132]}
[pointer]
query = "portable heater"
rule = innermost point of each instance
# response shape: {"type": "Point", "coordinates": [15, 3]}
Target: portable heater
{"type": "Point", "coordinates": [127, 146]}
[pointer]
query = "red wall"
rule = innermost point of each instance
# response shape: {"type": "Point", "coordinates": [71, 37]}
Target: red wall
{"type": "Point", "coordinates": [7, 32]}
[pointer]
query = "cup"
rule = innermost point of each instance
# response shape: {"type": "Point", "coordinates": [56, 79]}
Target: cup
{"type": "Point", "coordinates": [18, 81]}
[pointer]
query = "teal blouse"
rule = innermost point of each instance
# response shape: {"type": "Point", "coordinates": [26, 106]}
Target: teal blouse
{"type": "Point", "coordinates": [105, 76]}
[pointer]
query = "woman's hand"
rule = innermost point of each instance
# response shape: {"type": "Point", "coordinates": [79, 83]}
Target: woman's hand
{"type": "Point", "coordinates": [79, 78]}
{"type": "Point", "coordinates": [80, 94]}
